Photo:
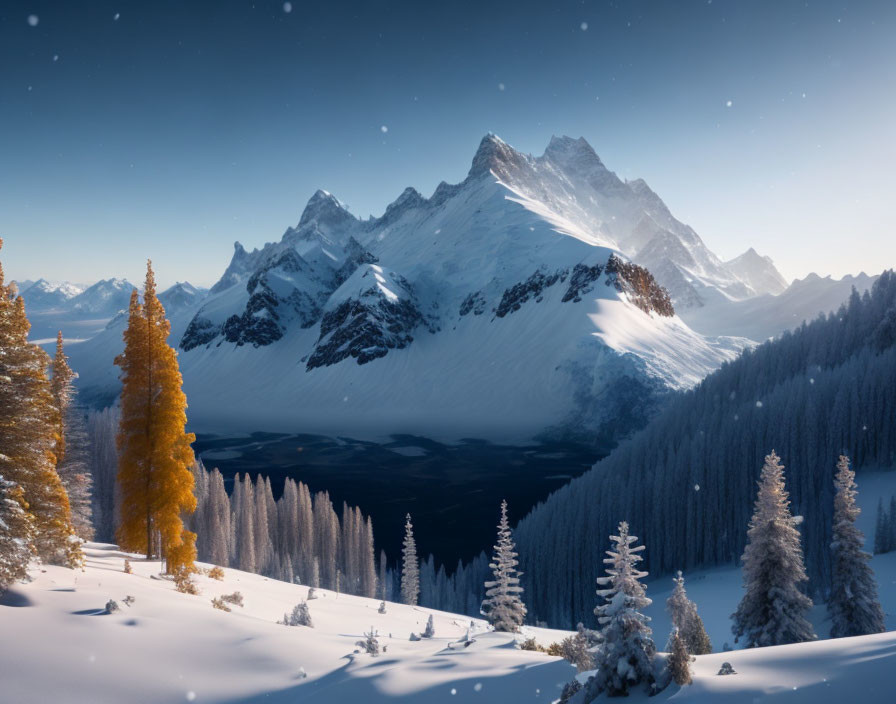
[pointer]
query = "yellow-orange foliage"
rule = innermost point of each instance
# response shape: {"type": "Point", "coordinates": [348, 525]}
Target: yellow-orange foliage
{"type": "Point", "coordinates": [29, 425]}
{"type": "Point", "coordinates": [155, 456]}
{"type": "Point", "coordinates": [61, 387]}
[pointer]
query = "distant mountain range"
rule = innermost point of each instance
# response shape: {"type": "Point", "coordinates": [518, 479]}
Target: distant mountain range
{"type": "Point", "coordinates": [541, 296]}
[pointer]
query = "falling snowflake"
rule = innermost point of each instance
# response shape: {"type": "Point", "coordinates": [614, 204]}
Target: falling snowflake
{"type": "Point", "coordinates": [384, 129]}
{"type": "Point", "coordinates": [759, 404]}
{"type": "Point", "coordinates": [116, 16]}
{"type": "Point", "coordinates": [287, 7]}
{"type": "Point", "coordinates": [191, 696]}
{"type": "Point", "coordinates": [728, 104]}
{"type": "Point", "coordinates": [438, 231]}
{"type": "Point", "coordinates": [55, 57]}
{"type": "Point", "coordinates": [33, 20]}
{"type": "Point", "coordinates": [453, 691]}
{"type": "Point", "coordinates": [345, 399]}
{"type": "Point", "coordinates": [500, 86]}
{"type": "Point", "coordinates": [696, 487]}
{"type": "Point", "coordinates": [584, 26]}
{"type": "Point", "coordinates": [477, 687]}
{"type": "Point", "coordinates": [811, 381]}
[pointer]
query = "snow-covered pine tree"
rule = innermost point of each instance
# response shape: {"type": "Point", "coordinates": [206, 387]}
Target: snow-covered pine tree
{"type": "Point", "coordinates": [625, 657]}
{"type": "Point", "coordinates": [853, 606]}
{"type": "Point", "coordinates": [29, 425]}
{"type": "Point", "coordinates": [881, 529]}
{"type": "Point", "coordinates": [72, 444]}
{"type": "Point", "coordinates": [102, 427]}
{"type": "Point", "coordinates": [430, 628]}
{"type": "Point", "coordinates": [315, 573]}
{"type": "Point", "coordinates": [367, 558]}
{"type": "Point", "coordinates": [299, 616]}
{"type": "Point", "coordinates": [686, 620]}
{"type": "Point", "coordinates": [410, 568]}
{"type": "Point", "coordinates": [503, 606]}
{"type": "Point", "coordinates": [773, 609]}
{"type": "Point", "coordinates": [15, 534]}
{"type": "Point", "coordinates": [382, 578]}
{"type": "Point", "coordinates": [370, 644]}
{"type": "Point", "coordinates": [678, 665]}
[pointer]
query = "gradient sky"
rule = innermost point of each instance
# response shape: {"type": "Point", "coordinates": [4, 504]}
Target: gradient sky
{"type": "Point", "coordinates": [171, 129]}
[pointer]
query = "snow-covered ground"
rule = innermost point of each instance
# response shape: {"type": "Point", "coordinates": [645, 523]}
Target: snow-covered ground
{"type": "Point", "coordinates": [58, 645]}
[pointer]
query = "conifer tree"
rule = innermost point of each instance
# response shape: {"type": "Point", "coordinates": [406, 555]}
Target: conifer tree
{"type": "Point", "coordinates": [29, 424]}
{"type": "Point", "coordinates": [61, 386]}
{"type": "Point", "coordinates": [430, 630]}
{"type": "Point", "coordinates": [503, 606]}
{"type": "Point", "coordinates": [72, 445]}
{"type": "Point", "coordinates": [686, 621]}
{"type": "Point", "coordinates": [854, 606]}
{"type": "Point", "coordinates": [154, 474]}
{"type": "Point", "coordinates": [16, 534]}
{"type": "Point", "coordinates": [773, 609]}
{"type": "Point", "coordinates": [410, 568]}
{"type": "Point", "coordinates": [679, 662]}
{"type": "Point", "coordinates": [381, 579]}
{"type": "Point", "coordinates": [881, 530]}
{"type": "Point", "coordinates": [624, 658]}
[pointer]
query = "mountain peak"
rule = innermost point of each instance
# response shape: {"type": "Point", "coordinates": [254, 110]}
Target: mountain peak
{"type": "Point", "coordinates": [325, 208]}
{"type": "Point", "coordinates": [493, 154]}
{"type": "Point", "coordinates": [568, 151]}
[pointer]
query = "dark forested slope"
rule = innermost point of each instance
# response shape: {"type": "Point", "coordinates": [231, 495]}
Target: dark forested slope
{"type": "Point", "coordinates": [686, 483]}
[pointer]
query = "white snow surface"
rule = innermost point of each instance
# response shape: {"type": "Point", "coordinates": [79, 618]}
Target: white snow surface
{"type": "Point", "coordinates": [61, 647]}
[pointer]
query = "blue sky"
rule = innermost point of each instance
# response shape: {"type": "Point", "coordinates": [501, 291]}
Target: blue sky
{"type": "Point", "coordinates": [178, 128]}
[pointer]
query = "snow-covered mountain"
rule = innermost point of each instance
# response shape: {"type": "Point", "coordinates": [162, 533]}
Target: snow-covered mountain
{"type": "Point", "coordinates": [181, 296]}
{"type": "Point", "coordinates": [102, 299]}
{"type": "Point", "coordinates": [502, 307]}
{"type": "Point", "coordinates": [758, 272]}
{"type": "Point", "coordinates": [44, 296]}
{"type": "Point", "coordinates": [769, 315]}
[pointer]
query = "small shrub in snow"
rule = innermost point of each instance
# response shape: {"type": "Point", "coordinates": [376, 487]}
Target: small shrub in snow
{"type": "Point", "coordinates": [127, 567]}
{"type": "Point", "coordinates": [129, 600]}
{"type": "Point", "coordinates": [430, 628]}
{"type": "Point", "coordinates": [574, 649]}
{"type": "Point", "coordinates": [726, 669]}
{"type": "Point", "coordinates": [219, 603]}
{"type": "Point", "coordinates": [236, 598]}
{"type": "Point", "coordinates": [678, 665]}
{"type": "Point", "coordinates": [112, 606]}
{"type": "Point", "coordinates": [300, 616]}
{"type": "Point", "coordinates": [183, 582]}
{"type": "Point", "coordinates": [216, 573]}
{"type": "Point", "coordinates": [570, 689]}
{"type": "Point", "coordinates": [311, 594]}
{"type": "Point", "coordinates": [530, 644]}
{"type": "Point", "coordinates": [382, 608]}
{"type": "Point", "coordinates": [370, 644]}
{"type": "Point", "coordinates": [414, 637]}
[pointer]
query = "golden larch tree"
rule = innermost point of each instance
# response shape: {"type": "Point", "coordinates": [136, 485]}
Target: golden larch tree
{"type": "Point", "coordinates": [155, 456]}
{"type": "Point", "coordinates": [61, 387]}
{"type": "Point", "coordinates": [29, 432]}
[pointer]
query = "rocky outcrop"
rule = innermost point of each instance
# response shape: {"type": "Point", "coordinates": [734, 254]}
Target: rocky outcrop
{"type": "Point", "coordinates": [640, 287]}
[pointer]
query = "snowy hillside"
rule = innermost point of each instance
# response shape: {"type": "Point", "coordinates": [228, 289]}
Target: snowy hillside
{"type": "Point", "coordinates": [518, 273]}
{"type": "Point", "coordinates": [59, 645]}
{"type": "Point", "coordinates": [769, 315]}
